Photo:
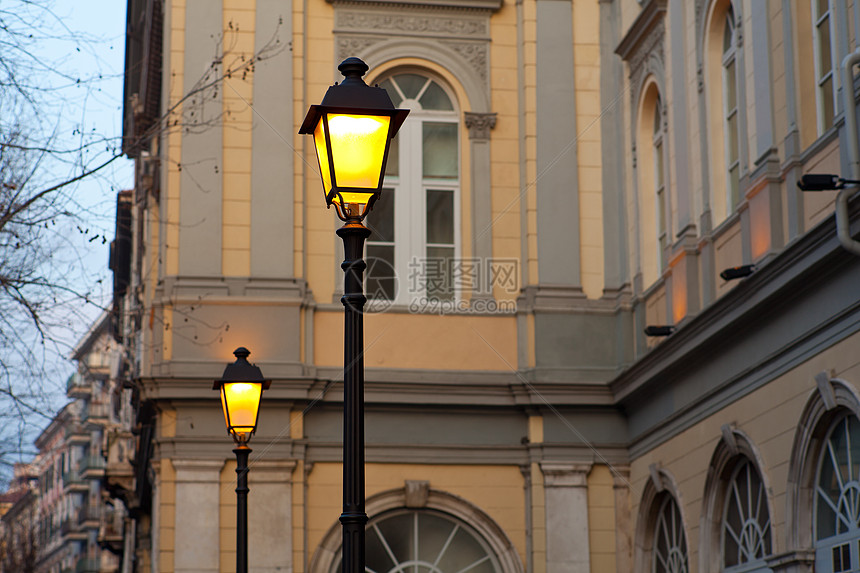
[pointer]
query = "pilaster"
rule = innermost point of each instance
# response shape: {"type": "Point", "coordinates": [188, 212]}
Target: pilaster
{"type": "Point", "coordinates": [566, 490]}
{"type": "Point", "coordinates": [196, 536]}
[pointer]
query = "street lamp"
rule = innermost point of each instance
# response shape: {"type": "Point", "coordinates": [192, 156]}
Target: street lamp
{"type": "Point", "coordinates": [352, 130]}
{"type": "Point", "coordinates": [241, 387]}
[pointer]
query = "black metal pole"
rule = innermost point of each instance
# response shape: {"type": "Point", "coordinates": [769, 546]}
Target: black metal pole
{"type": "Point", "coordinates": [242, 451]}
{"type": "Point", "coordinates": [353, 517]}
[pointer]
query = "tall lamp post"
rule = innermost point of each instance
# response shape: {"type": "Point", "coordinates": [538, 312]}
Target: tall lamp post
{"type": "Point", "coordinates": [241, 387]}
{"type": "Point", "coordinates": [352, 130]}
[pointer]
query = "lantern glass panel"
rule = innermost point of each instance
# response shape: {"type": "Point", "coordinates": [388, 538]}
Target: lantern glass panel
{"type": "Point", "coordinates": [322, 155]}
{"type": "Point", "coordinates": [241, 402]}
{"type": "Point", "coordinates": [358, 148]}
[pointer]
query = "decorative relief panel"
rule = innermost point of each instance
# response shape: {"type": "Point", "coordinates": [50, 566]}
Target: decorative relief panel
{"type": "Point", "coordinates": [426, 23]}
{"type": "Point", "coordinates": [463, 33]}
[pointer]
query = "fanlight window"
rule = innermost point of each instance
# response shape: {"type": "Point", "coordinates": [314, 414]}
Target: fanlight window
{"type": "Point", "coordinates": [746, 522]}
{"type": "Point", "coordinates": [670, 543]}
{"type": "Point", "coordinates": [424, 541]}
{"type": "Point", "coordinates": [837, 500]}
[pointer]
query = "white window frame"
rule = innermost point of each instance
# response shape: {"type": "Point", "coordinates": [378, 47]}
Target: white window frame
{"type": "Point", "coordinates": [658, 146]}
{"type": "Point", "coordinates": [824, 553]}
{"type": "Point", "coordinates": [822, 76]}
{"type": "Point", "coordinates": [729, 58]}
{"type": "Point", "coordinates": [765, 531]}
{"type": "Point", "coordinates": [410, 191]}
{"type": "Point", "coordinates": [670, 524]}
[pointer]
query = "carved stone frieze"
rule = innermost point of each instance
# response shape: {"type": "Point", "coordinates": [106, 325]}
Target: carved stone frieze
{"type": "Point", "coordinates": [479, 124]}
{"type": "Point", "coordinates": [413, 24]}
{"type": "Point", "coordinates": [348, 46]}
{"type": "Point", "coordinates": [475, 54]}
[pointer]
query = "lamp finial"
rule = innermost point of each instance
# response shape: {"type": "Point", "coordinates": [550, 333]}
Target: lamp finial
{"type": "Point", "coordinates": [353, 69]}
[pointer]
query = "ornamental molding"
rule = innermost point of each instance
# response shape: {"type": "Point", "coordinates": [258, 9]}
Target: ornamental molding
{"type": "Point", "coordinates": [351, 45]}
{"type": "Point", "coordinates": [433, 23]}
{"type": "Point", "coordinates": [476, 55]}
{"type": "Point", "coordinates": [459, 5]}
{"type": "Point", "coordinates": [479, 124]}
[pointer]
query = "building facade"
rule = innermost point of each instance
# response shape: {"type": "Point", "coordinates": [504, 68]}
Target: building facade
{"type": "Point", "coordinates": [572, 173]}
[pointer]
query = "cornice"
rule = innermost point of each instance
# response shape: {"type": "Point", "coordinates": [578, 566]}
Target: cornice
{"type": "Point", "coordinates": [470, 5]}
{"type": "Point", "coordinates": [645, 22]}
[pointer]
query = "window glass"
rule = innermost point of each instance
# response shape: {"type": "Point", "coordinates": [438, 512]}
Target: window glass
{"type": "Point", "coordinates": [439, 150]}
{"type": "Point", "coordinates": [824, 53]}
{"type": "Point", "coordinates": [423, 542]}
{"type": "Point", "coordinates": [746, 526]}
{"type": "Point", "coordinates": [435, 98]}
{"type": "Point", "coordinates": [670, 543]}
{"type": "Point", "coordinates": [410, 84]}
{"type": "Point", "coordinates": [393, 92]}
{"type": "Point", "coordinates": [838, 491]}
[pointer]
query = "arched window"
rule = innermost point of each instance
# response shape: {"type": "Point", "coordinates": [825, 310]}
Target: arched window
{"type": "Point", "coordinates": [669, 551]}
{"type": "Point", "coordinates": [746, 532]}
{"type": "Point", "coordinates": [824, 46]}
{"type": "Point", "coordinates": [416, 220]}
{"type": "Point", "coordinates": [424, 541]}
{"type": "Point", "coordinates": [837, 499]}
{"type": "Point", "coordinates": [731, 125]}
{"type": "Point", "coordinates": [660, 183]}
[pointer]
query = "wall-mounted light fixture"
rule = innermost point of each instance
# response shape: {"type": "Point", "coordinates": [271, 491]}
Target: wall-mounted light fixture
{"type": "Point", "coordinates": [659, 330]}
{"type": "Point", "coordinates": [737, 272]}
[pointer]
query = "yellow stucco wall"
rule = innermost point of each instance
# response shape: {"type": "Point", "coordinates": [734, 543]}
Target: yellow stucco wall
{"type": "Point", "coordinates": [396, 340]}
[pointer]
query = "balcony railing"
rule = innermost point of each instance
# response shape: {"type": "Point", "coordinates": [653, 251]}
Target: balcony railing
{"type": "Point", "coordinates": [91, 463]}
{"type": "Point", "coordinates": [87, 565]}
{"type": "Point", "coordinates": [89, 513]}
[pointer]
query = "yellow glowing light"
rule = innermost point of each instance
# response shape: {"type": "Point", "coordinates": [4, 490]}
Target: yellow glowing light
{"type": "Point", "coordinates": [322, 155]}
{"type": "Point", "coordinates": [358, 147]}
{"type": "Point", "coordinates": [241, 402]}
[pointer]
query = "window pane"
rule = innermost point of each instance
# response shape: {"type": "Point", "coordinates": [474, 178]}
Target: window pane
{"type": "Point", "coordinates": [827, 102]}
{"type": "Point", "coordinates": [439, 150]}
{"type": "Point", "coordinates": [392, 165]}
{"type": "Point", "coordinates": [381, 282]}
{"type": "Point", "coordinates": [661, 211]}
{"type": "Point", "coordinates": [435, 531]}
{"type": "Point", "coordinates": [734, 185]}
{"type": "Point", "coordinates": [380, 220]}
{"type": "Point", "coordinates": [731, 87]}
{"type": "Point", "coordinates": [728, 30]}
{"type": "Point", "coordinates": [658, 164]}
{"type": "Point", "coordinates": [824, 58]}
{"type": "Point", "coordinates": [823, 7]}
{"type": "Point", "coordinates": [435, 98]}
{"type": "Point", "coordinates": [410, 84]}
{"type": "Point", "coordinates": [657, 114]}
{"type": "Point", "coordinates": [440, 217]}
{"type": "Point", "coordinates": [732, 128]}
{"type": "Point", "coordinates": [392, 92]}
{"type": "Point", "coordinates": [437, 271]}
{"type": "Point", "coordinates": [397, 533]}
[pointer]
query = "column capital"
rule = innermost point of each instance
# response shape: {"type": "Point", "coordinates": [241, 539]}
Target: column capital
{"type": "Point", "coordinates": [564, 474]}
{"type": "Point", "coordinates": [191, 471]}
{"type": "Point", "coordinates": [479, 124]}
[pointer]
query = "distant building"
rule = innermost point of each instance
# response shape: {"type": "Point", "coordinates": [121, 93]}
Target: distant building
{"type": "Point", "coordinates": [571, 174]}
{"type": "Point", "coordinates": [59, 502]}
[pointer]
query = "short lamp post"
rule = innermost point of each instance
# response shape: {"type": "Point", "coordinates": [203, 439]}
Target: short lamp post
{"type": "Point", "coordinates": [352, 129]}
{"type": "Point", "coordinates": [241, 387]}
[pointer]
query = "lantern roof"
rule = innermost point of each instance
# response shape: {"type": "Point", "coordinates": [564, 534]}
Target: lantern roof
{"type": "Point", "coordinates": [242, 371]}
{"type": "Point", "coordinates": [352, 95]}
